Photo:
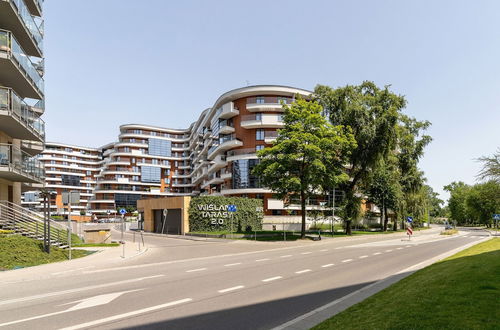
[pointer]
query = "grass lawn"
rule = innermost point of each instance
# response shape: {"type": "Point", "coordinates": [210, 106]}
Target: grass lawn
{"type": "Point", "coordinates": [460, 292]}
{"type": "Point", "coordinates": [19, 251]}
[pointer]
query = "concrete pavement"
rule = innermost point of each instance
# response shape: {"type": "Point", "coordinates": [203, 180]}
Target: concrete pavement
{"type": "Point", "coordinates": [223, 285]}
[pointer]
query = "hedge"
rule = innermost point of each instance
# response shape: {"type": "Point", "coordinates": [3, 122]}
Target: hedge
{"type": "Point", "coordinates": [213, 213]}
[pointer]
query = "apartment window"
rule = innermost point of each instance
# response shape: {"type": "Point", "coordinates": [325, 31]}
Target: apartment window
{"type": "Point", "coordinates": [70, 180]}
{"type": "Point", "coordinates": [137, 131]}
{"type": "Point", "coordinates": [280, 117]}
{"type": "Point", "coordinates": [258, 116]}
{"type": "Point", "coordinates": [124, 200]}
{"type": "Point", "coordinates": [167, 172]}
{"type": "Point", "coordinates": [260, 100]}
{"type": "Point", "coordinates": [132, 160]}
{"type": "Point", "coordinates": [153, 133]}
{"type": "Point", "coordinates": [88, 172]}
{"type": "Point", "coordinates": [159, 147]}
{"type": "Point", "coordinates": [242, 174]}
{"type": "Point", "coordinates": [259, 147]}
{"type": "Point", "coordinates": [259, 135]}
{"type": "Point", "coordinates": [126, 149]}
{"type": "Point", "coordinates": [150, 174]}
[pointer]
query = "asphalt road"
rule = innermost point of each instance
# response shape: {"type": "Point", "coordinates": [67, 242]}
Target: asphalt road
{"type": "Point", "coordinates": [184, 284]}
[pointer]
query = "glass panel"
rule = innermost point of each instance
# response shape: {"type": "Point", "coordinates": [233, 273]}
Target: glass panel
{"type": "Point", "coordinates": [29, 22]}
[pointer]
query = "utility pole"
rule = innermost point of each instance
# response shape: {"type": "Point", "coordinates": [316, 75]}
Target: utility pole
{"type": "Point", "coordinates": [333, 208]}
{"type": "Point", "coordinates": [69, 228]}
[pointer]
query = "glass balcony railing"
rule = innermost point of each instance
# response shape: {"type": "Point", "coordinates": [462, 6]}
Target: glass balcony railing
{"type": "Point", "coordinates": [29, 22]}
{"type": "Point", "coordinates": [269, 100]}
{"type": "Point", "coordinates": [9, 44]}
{"type": "Point", "coordinates": [10, 101]}
{"type": "Point", "coordinates": [20, 161]}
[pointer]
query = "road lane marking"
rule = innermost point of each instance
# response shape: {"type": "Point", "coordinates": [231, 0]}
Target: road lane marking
{"type": "Point", "coordinates": [265, 259]}
{"type": "Point", "coordinates": [306, 252]}
{"type": "Point", "coordinates": [399, 248]}
{"type": "Point", "coordinates": [362, 257]}
{"type": "Point", "coordinates": [324, 250]}
{"type": "Point", "coordinates": [72, 270]}
{"type": "Point", "coordinates": [232, 289]}
{"type": "Point", "coordinates": [408, 246]}
{"type": "Point", "coordinates": [82, 304]}
{"type": "Point", "coordinates": [303, 271]}
{"type": "Point", "coordinates": [327, 265]}
{"type": "Point", "coordinates": [272, 279]}
{"type": "Point", "coordinates": [388, 250]}
{"type": "Point", "coordinates": [377, 253]}
{"type": "Point", "coordinates": [235, 264]}
{"type": "Point", "coordinates": [195, 270]}
{"type": "Point", "coordinates": [347, 260]}
{"type": "Point", "coordinates": [52, 294]}
{"type": "Point", "coordinates": [127, 315]}
{"type": "Point", "coordinates": [286, 256]}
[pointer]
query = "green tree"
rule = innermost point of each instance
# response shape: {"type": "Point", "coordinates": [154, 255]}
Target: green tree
{"type": "Point", "coordinates": [308, 156]}
{"type": "Point", "coordinates": [491, 167]}
{"type": "Point", "coordinates": [482, 201]}
{"type": "Point", "coordinates": [372, 113]}
{"type": "Point", "coordinates": [457, 203]}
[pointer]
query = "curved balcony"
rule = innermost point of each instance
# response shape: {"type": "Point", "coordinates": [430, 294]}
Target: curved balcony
{"type": "Point", "coordinates": [17, 119]}
{"type": "Point", "coordinates": [15, 16]}
{"type": "Point", "coordinates": [227, 111]}
{"type": "Point", "coordinates": [267, 103]}
{"type": "Point", "coordinates": [270, 136]}
{"type": "Point", "coordinates": [262, 121]}
{"type": "Point", "coordinates": [219, 162]}
{"type": "Point", "coordinates": [17, 70]}
{"type": "Point", "coordinates": [16, 165]}
{"type": "Point", "coordinates": [245, 153]}
{"type": "Point", "coordinates": [226, 143]}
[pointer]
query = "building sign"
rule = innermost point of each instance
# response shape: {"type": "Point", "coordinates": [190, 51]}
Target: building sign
{"type": "Point", "coordinates": [217, 213]}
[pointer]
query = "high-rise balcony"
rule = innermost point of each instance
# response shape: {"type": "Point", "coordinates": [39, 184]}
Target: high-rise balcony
{"type": "Point", "coordinates": [17, 119]}
{"type": "Point", "coordinates": [227, 111]}
{"type": "Point", "coordinates": [270, 136]}
{"type": "Point", "coordinates": [35, 7]}
{"type": "Point", "coordinates": [18, 166]}
{"type": "Point", "coordinates": [17, 70]}
{"type": "Point", "coordinates": [225, 143]}
{"type": "Point", "coordinates": [267, 103]}
{"type": "Point", "coordinates": [262, 121]}
{"type": "Point", "coordinates": [16, 17]}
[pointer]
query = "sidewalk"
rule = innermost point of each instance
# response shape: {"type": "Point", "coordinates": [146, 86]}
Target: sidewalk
{"type": "Point", "coordinates": [102, 257]}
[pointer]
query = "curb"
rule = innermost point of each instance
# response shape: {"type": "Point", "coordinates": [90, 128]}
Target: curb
{"type": "Point", "coordinates": [322, 313]}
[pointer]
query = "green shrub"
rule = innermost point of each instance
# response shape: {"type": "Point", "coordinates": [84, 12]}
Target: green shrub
{"type": "Point", "coordinates": [210, 213]}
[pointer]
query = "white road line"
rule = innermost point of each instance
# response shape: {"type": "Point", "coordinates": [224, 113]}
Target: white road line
{"type": "Point", "coordinates": [303, 271]}
{"type": "Point", "coordinates": [399, 248]}
{"type": "Point", "coordinates": [306, 252]}
{"type": "Point", "coordinates": [362, 257]}
{"type": "Point", "coordinates": [408, 246]}
{"type": "Point", "coordinates": [286, 256]}
{"type": "Point", "coordinates": [265, 259]}
{"type": "Point", "coordinates": [377, 253]}
{"type": "Point", "coordinates": [195, 270]}
{"type": "Point", "coordinates": [72, 270]}
{"type": "Point", "coordinates": [327, 265]}
{"type": "Point", "coordinates": [126, 315]}
{"type": "Point", "coordinates": [235, 264]}
{"type": "Point", "coordinates": [232, 289]}
{"type": "Point", "coordinates": [324, 250]}
{"type": "Point", "coordinates": [272, 279]}
{"type": "Point", "coordinates": [347, 260]}
{"type": "Point", "coordinates": [58, 293]}
{"type": "Point", "coordinates": [388, 250]}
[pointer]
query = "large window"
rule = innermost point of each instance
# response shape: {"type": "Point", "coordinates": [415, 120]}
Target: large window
{"type": "Point", "coordinates": [259, 134]}
{"type": "Point", "coordinates": [159, 147]}
{"type": "Point", "coordinates": [126, 200]}
{"type": "Point", "coordinates": [242, 174]}
{"type": "Point", "coordinates": [70, 180]}
{"type": "Point", "coordinates": [150, 174]}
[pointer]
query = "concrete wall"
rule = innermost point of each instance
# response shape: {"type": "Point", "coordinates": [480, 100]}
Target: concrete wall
{"type": "Point", "coordinates": [147, 207]}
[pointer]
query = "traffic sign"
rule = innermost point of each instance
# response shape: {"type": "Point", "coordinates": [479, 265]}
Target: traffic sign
{"type": "Point", "coordinates": [409, 219]}
{"type": "Point", "coordinates": [231, 208]}
{"type": "Point", "coordinates": [496, 216]}
{"type": "Point", "coordinates": [409, 231]}
{"type": "Point", "coordinates": [123, 211]}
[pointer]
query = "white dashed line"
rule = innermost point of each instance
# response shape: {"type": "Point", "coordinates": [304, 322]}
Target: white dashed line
{"type": "Point", "coordinates": [324, 250]}
{"type": "Point", "coordinates": [303, 271]}
{"type": "Point", "coordinates": [306, 252]}
{"type": "Point", "coordinates": [362, 257]}
{"type": "Point", "coordinates": [235, 264]}
{"type": "Point", "coordinates": [408, 246]}
{"type": "Point", "coordinates": [262, 259]}
{"type": "Point", "coordinates": [286, 256]}
{"type": "Point", "coordinates": [377, 253]}
{"type": "Point", "coordinates": [347, 260]}
{"type": "Point", "coordinates": [388, 250]}
{"type": "Point", "coordinates": [232, 289]}
{"type": "Point", "coordinates": [399, 248]}
{"type": "Point", "coordinates": [195, 270]}
{"type": "Point", "coordinates": [327, 265]}
{"type": "Point", "coordinates": [272, 279]}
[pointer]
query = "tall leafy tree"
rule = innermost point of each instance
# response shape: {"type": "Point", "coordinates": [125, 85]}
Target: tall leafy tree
{"type": "Point", "coordinates": [491, 167]}
{"type": "Point", "coordinates": [457, 203]}
{"type": "Point", "coordinates": [308, 156]}
{"type": "Point", "coordinates": [372, 113]}
{"type": "Point", "coordinates": [483, 201]}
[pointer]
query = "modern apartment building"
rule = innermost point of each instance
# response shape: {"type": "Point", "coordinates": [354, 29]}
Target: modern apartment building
{"type": "Point", "coordinates": [67, 168]}
{"type": "Point", "coordinates": [22, 131]}
{"type": "Point", "coordinates": [213, 156]}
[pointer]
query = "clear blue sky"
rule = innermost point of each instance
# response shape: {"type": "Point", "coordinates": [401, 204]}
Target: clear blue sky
{"type": "Point", "coordinates": [110, 62]}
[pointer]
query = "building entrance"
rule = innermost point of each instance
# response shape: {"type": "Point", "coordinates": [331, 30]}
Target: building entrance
{"type": "Point", "coordinates": [173, 222]}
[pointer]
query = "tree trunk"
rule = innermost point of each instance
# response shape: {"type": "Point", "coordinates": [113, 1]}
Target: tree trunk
{"type": "Point", "coordinates": [382, 215]}
{"type": "Point", "coordinates": [348, 227]}
{"type": "Point", "coordinates": [386, 219]}
{"type": "Point", "coordinates": [303, 208]}
{"type": "Point", "coordinates": [395, 224]}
